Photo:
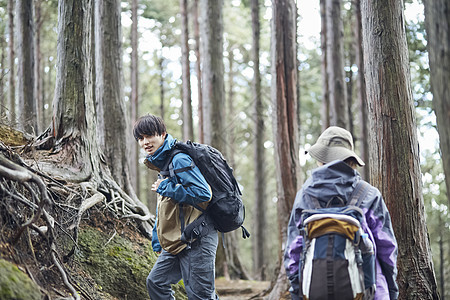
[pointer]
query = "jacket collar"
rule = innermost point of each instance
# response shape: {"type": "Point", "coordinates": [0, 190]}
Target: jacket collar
{"type": "Point", "coordinates": [158, 159]}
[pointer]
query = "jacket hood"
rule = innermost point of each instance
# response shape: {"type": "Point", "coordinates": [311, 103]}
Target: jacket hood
{"type": "Point", "coordinates": [160, 157]}
{"type": "Point", "coordinates": [335, 179]}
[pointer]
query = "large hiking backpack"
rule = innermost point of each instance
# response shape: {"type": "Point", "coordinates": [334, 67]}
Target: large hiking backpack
{"type": "Point", "coordinates": [226, 209]}
{"type": "Point", "coordinates": [338, 260]}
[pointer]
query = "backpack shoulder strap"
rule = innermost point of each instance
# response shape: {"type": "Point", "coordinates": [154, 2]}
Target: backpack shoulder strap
{"type": "Point", "coordinates": [168, 170]}
{"type": "Point", "coordinates": [359, 193]}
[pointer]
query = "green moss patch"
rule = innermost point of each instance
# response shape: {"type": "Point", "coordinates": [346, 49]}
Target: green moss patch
{"type": "Point", "coordinates": [119, 266]}
{"type": "Point", "coordinates": [15, 284]}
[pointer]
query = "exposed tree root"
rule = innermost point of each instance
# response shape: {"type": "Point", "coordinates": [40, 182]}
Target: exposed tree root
{"type": "Point", "coordinates": [31, 199]}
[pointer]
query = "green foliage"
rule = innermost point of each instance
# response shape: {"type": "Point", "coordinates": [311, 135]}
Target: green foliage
{"type": "Point", "coordinates": [438, 219]}
{"type": "Point", "coordinates": [418, 57]}
{"type": "Point", "coordinates": [15, 284]}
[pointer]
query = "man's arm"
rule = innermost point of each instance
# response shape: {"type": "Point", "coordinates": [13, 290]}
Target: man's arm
{"type": "Point", "coordinates": [188, 187]}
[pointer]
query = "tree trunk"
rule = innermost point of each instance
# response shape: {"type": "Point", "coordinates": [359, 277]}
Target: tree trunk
{"type": "Point", "coordinates": [441, 257]}
{"type": "Point", "coordinates": [111, 112]}
{"type": "Point", "coordinates": [161, 87]}
{"type": "Point", "coordinates": [73, 122]}
{"type": "Point", "coordinates": [211, 30]}
{"type": "Point", "coordinates": [325, 87]}
{"type": "Point", "coordinates": [25, 70]}
{"type": "Point", "coordinates": [38, 20]}
{"type": "Point", "coordinates": [134, 105]}
{"type": "Point", "coordinates": [72, 137]}
{"type": "Point", "coordinates": [260, 194]}
{"type": "Point", "coordinates": [349, 58]}
{"type": "Point", "coordinates": [232, 265]}
{"type": "Point", "coordinates": [437, 22]}
{"type": "Point", "coordinates": [284, 101]}
{"type": "Point", "coordinates": [11, 59]}
{"type": "Point", "coordinates": [394, 155]}
{"type": "Point", "coordinates": [198, 71]}
{"type": "Point", "coordinates": [2, 75]}
{"type": "Point", "coordinates": [188, 126]}
{"type": "Point", "coordinates": [335, 64]}
{"type": "Point", "coordinates": [363, 136]}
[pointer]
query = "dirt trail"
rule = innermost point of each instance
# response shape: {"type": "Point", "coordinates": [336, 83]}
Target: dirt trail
{"type": "Point", "coordinates": [240, 289]}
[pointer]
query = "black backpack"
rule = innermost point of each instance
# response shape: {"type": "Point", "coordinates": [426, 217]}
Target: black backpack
{"type": "Point", "coordinates": [226, 210]}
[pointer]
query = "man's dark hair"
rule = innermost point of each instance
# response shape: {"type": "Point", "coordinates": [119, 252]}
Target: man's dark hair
{"type": "Point", "coordinates": [149, 125]}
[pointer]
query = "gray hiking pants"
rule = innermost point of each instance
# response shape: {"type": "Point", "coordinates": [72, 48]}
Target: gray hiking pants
{"type": "Point", "coordinates": [195, 266]}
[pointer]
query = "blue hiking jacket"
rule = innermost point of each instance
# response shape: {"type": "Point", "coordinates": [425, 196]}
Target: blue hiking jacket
{"type": "Point", "coordinates": [337, 179]}
{"type": "Point", "coordinates": [189, 187]}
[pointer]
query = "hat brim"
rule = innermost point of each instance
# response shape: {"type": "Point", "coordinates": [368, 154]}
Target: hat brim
{"type": "Point", "coordinates": [327, 154]}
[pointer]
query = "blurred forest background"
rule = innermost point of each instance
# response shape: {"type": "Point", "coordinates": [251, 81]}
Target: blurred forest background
{"type": "Point", "coordinates": [154, 38]}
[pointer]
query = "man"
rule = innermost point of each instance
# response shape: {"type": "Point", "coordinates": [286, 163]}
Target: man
{"type": "Point", "coordinates": [194, 263]}
{"type": "Point", "coordinates": [337, 177]}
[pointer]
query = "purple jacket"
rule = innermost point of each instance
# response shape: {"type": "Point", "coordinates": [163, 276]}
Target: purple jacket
{"type": "Point", "coordinates": [338, 179]}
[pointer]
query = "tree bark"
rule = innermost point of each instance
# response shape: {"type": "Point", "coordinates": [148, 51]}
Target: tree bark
{"type": "Point", "coordinates": [437, 22]}
{"type": "Point", "coordinates": [134, 105]}
{"type": "Point", "coordinates": [211, 30]}
{"type": "Point", "coordinates": [198, 71]}
{"type": "Point", "coordinates": [111, 112]}
{"type": "Point", "coordinates": [161, 87]}
{"type": "Point", "coordinates": [188, 126]}
{"type": "Point", "coordinates": [38, 20]}
{"type": "Point", "coordinates": [260, 195]}
{"type": "Point", "coordinates": [363, 136]}
{"type": "Point", "coordinates": [25, 70]}
{"type": "Point", "coordinates": [349, 61]}
{"type": "Point", "coordinates": [335, 64]}
{"type": "Point", "coordinates": [325, 87]}
{"type": "Point", "coordinates": [2, 74]}
{"type": "Point", "coordinates": [11, 58]}
{"type": "Point", "coordinates": [394, 155]}
{"type": "Point", "coordinates": [284, 102]}
{"type": "Point", "coordinates": [73, 122]}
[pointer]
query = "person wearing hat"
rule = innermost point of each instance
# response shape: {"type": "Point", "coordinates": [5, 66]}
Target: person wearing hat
{"type": "Point", "coordinates": [337, 177]}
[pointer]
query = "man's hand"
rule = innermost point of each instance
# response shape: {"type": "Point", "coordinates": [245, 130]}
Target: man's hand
{"type": "Point", "coordinates": [155, 185]}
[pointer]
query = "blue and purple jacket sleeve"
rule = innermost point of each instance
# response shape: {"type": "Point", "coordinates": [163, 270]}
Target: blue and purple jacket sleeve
{"type": "Point", "coordinates": [188, 187]}
{"type": "Point", "coordinates": [379, 222]}
{"type": "Point", "coordinates": [292, 252]}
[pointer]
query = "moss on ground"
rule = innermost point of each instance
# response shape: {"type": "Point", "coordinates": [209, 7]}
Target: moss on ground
{"type": "Point", "coordinates": [15, 284]}
{"type": "Point", "coordinates": [118, 267]}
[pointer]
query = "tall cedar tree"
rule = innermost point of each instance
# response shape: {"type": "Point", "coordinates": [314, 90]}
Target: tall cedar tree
{"type": "Point", "coordinates": [38, 20]}
{"type": "Point", "coordinates": [437, 22]}
{"type": "Point", "coordinates": [73, 132]}
{"type": "Point", "coordinates": [198, 71]}
{"type": "Point", "coordinates": [188, 126]}
{"type": "Point", "coordinates": [2, 73]}
{"type": "Point", "coordinates": [211, 35]}
{"type": "Point", "coordinates": [134, 103]}
{"type": "Point", "coordinates": [211, 30]}
{"type": "Point", "coordinates": [394, 154]}
{"type": "Point", "coordinates": [361, 90]}
{"type": "Point", "coordinates": [11, 59]}
{"type": "Point", "coordinates": [25, 70]}
{"type": "Point", "coordinates": [260, 203]}
{"type": "Point", "coordinates": [335, 64]}
{"type": "Point", "coordinates": [285, 120]}
{"type": "Point", "coordinates": [112, 119]}
{"type": "Point", "coordinates": [323, 63]}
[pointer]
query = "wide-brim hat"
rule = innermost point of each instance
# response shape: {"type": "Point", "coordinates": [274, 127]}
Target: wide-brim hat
{"type": "Point", "coordinates": [335, 143]}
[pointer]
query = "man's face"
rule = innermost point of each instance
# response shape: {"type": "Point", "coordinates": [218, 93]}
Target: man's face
{"type": "Point", "coordinates": [151, 143]}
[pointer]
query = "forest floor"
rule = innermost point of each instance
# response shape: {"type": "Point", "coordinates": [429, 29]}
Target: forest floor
{"type": "Point", "coordinates": [241, 289]}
